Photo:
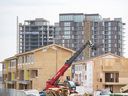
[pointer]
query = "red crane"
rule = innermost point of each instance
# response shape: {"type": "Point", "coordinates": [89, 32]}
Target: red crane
{"type": "Point", "coordinates": [52, 82]}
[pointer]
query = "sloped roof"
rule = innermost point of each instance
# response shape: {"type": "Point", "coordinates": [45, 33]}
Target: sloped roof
{"type": "Point", "coordinates": [9, 58]}
{"type": "Point", "coordinates": [46, 47]}
{"type": "Point", "coordinates": [107, 55]}
{"type": "Point", "coordinates": [38, 49]}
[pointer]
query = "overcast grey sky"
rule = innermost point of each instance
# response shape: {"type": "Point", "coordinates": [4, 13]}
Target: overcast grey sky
{"type": "Point", "coordinates": [50, 9]}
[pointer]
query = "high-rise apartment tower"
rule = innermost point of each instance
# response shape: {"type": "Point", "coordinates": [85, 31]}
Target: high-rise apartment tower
{"type": "Point", "coordinates": [74, 29]}
{"type": "Point", "coordinates": [34, 34]}
{"type": "Point", "coordinates": [105, 33]}
{"type": "Point", "coordinates": [69, 30]}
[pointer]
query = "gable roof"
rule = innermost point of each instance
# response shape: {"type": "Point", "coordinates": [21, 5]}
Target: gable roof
{"type": "Point", "coordinates": [107, 55]}
{"type": "Point", "coordinates": [46, 47]}
{"type": "Point", "coordinates": [38, 49]}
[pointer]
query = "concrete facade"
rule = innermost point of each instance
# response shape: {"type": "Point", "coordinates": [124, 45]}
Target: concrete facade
{"type": "Point", "coordinates": [105, 33]}
{"type": "Point", "coordinates": [31, 70]}
{"type": "Point", "coordinates": [69, 31]}
{"type": "Point", "coordinates": [105, 71]}
{"type": "Point", "coordinates": [74, 29]}
{"type": "Point", "coordinates": [33, 34]}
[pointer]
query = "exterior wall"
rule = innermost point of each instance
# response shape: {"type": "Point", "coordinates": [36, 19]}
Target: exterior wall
{"type": "Point", "coordinates": [34, 68]}
{"type": "Point", "coordinates": [116, 88]}
{"type": "Point", "coordinates": [83, 74]}
{"type": "Point", "coordinates": [70, 32]}
{"type": "Point", "coordinates": [87, 36]}
{"type": "Point", "coordinates": [111, 64]}
{"type": "Point", "coordinates": [103, 65]}
{"type": "Point", "coordinates": [9, 73]}
{"type": "Point", "coordinates": [74, 29]}
{"type": "Point", "coordinates": [51, 60]}
{"type": "Point", "coordinates": [106, 34]}
{"type": "Point", "coordinates": [89, 81]}
{"type": "Point", "coordinates": [79, 74]}
{"type": "Point", "coordinates": [97, 74]}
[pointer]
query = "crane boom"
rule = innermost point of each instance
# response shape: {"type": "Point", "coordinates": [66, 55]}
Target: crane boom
{"type": "Point", "coordinates": [51, 83]}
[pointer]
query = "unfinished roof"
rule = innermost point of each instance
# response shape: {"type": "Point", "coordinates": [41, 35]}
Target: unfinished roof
{"type": "Point", "coordinates": [38, 49]}
{"type": "Point", "coordinates": [46, 47]}
{"type": "Point", "coordinates": [107, 55]}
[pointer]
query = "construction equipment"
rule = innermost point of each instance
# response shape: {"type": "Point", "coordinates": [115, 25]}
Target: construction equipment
{"type": "Point", "coordinates": [52, 82]}
{"type": "Point", "coordinates": [124, 89]}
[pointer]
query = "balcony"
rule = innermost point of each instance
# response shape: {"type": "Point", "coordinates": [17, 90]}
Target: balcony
{"type": "Point", "coordinates": [27, 74]}
{"type": "Point", "coordinates": [11, 78]}
{"type": "Point", "coordinates": [10, 82]}
{"type": "Point", "coordinates": [26, 77]}
{"type": "Point", "coordinates": [24, 82]}
{"type": "Point", "coordinates": [23, 77]}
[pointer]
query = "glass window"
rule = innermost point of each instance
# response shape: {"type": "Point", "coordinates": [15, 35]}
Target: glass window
{"type": "Point", "coordinates": [66, 18]}
{"type": "Point", "coordinates": [12, 63]}
{"type": "Point", "coordinates": [102, 23]}
{"type": "Point", "coordinates": [79, 18]}
{"type": "Point", "coordinates": [109, 32]}
{"type": "Point", "coordinates": [66, 23]}
{"type": "Point", "coordinates": [112, 77]}
{"type": "Point", "coordinates": [115, 28]}
{"type": "Point", "coordinates": [103, 41]}
{"type": "Point", "coordinates": [103, 49]}
{"type": "Point", "coordinates": [66, 28]}
{"type": "Point", "coordinates": [109, 23]}
{"type": "Point", "coordinates": [72, 28]}
{"type": "Point", "coordinates": [109, 37]}
{"type": "Point", "coordinates": [109, 41]}
{"type": "Point", "coordinates": [62, 41]}
{"type": "Point", "coordinates": [67, 32]}
{"type": "Point", "coordinates": [72, 36]}
{"type": "Point", "coordinates": [109, 49]}
{"type": "Point", "coordinates": [20, 40]}
{"type": "Point", "coordinates": [34, 73]}
{"type": "Point", "coordinates": [76, 18]}
{"type": "Point", "coordinates": [72, 45]}
{"type": "Point", "coordinates": [109, 28]}
{"type": "Point", "coordinates": [66, 37]}
{"type": "Point", "coordinates": [115, 36]}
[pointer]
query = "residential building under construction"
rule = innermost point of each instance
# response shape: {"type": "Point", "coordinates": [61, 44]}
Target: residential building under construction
{"type": "Point", "coordinates": [31, 70]}
{"type": "Point", "coordinates": [107, 71]}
